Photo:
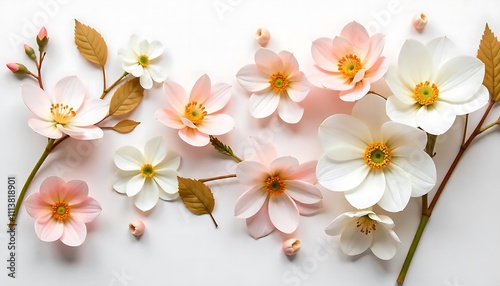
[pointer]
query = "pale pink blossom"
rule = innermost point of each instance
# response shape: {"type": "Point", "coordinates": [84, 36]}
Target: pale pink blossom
{"type": "Point", "coordinates": [61, 210]}
{"type": "Point", "coordinates": [280, 190]}
{"type": "Point", "coordinates": [262, 36]}
{"type": "Point", "coordinates": [291, 246]}
{"type": "Point", "coordinates": [275, 83]}
{"type": "Point", "coordinates": [197, 115]}
{"type": "Point", "coordinates": [66, 110]}
{"type": "Point", "coordinates": [351, 62]}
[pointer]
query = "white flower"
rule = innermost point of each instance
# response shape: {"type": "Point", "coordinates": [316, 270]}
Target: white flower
{"type": "Point", "coordinates": [432, 86]}
{"type": "Point", "coordinates": [373, 160]}
{"type": "Point", "coordinates": [149, 175]}
{"type": "Point", "coordinates": [138, 60]}
{"type": "Point", "coordinates": [66, 111]}
{"type": "Point", "coordinates": [362, 230]}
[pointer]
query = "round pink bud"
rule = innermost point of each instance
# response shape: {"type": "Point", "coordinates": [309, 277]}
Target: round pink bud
{"type": "Point", "coordinates": [42, 34]}
{"type": "Point", "coordinates": [262, 36]}
{"type": "Point", "coordinates": [419, 22]}
{"type": "Point", "coordinates": [136, 227]}
{"type": "Point", "coordinates": [291, 246]}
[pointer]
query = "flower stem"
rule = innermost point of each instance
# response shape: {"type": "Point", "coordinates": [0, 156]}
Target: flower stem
{"type": "Point", "coordinates": [428, 212]}
{"type": "Point", "coordinates": [39, 70]}
{"type": "Point", "coordinates": [378, 94]}
{"type": "Point", "coordinates": [107, 90]}
{"type": "Point", "coordinates": [46, 152]}
{"type": "Point", "coordinates": [217, 178]}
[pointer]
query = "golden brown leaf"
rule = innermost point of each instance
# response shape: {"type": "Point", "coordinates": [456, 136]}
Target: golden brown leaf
{"type": "Point", "coordinates": [197, 197]}
{"type": "Point", "coordinates": [489, 54]}
{"type": "Point", "coordinates": [125, 126]}
{"type": "Point", "coordinates": [126, 97]}
{"type": "Point", "coordinates": [91, 44]}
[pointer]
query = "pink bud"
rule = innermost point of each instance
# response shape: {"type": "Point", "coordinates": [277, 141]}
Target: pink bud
{"type": "Point", "coordinates": [13, 67]}
{"type": "Point", "coordinates": [419, 22]}
{"type": "Point", "coordinates": [137, 227]}
{"type": "Point", "coordinates": [291, 246]}
{"type": "Point", "coordinates": [262, 36]}
{"type": "Point", "coordinates": [42, 34]}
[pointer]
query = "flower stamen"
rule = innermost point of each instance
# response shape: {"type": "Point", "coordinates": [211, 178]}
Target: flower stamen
{"type": "Point", "coordinates": [425, 93]}
{"type": "Point", "coordinates": [275, 186]}
{"type": "Point", "coordinates": [62, 114]}
{"type": "Point", "coordinates": [60, 211]}
{"type": "Point", "coordinates": [349, 66]}
{"type": "Point", "coordinates": [147, 171]}
{"type": "Point", "coordinates": [278, 82]}
{"type": "Point", "coordinates": [366, 224]}
{"type": "Point", "coordinates": [195, 112]}
{"type": "Point", "coordinates": [377, 156]}
{"type": "Point", "coordinates": [144, 60]}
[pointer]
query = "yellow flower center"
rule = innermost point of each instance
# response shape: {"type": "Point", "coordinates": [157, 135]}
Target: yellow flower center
{"type": "Point", "coordinates": [425, 93]}
{"type": "Point", "coordinates": [377, 156]}
{"type": "Point", "coordinates": [278, 82]}
{"type": "Point", "coordinates": [60, 211]}
{"type": "Point", "coordinates": [366, 224]}
{"type": "Point", "coordinates": [147, 171]}
{"type": "Point", "coordinates": [195, 112]}
{"type": "Point", "coordinates": [275, 186]}
{"type": "Point", "coordinates": [349, 66]}
{"type": "Point", "coordinates": [144, 60]}
{"type": "Point", "coordinates": [62, 114]}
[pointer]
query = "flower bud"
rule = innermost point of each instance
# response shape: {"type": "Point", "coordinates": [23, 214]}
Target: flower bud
{"type": "Point", "coordinates": [291, 246]}
{"type": "Point", "coordinates": [262, 36]}
{"type": "Point", "coordinates": [136, 227]}
{"type": "Point", "coordinates": [18, 68]}
{"type": "Point", "coordinates": [42, 39]}
{"type": "Point", "coordinates": [419, 22]}
{"type": "Point", "coordinates": [30, 52]}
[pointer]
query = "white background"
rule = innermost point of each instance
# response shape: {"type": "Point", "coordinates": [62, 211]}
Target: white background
{"type": "Point", "coordinates": [459, 247]}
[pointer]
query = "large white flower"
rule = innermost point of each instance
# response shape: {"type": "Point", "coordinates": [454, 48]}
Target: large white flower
{"type": "Point", "coordinates": [147, 176]}
{"type": "Point", "coordinates": [373, 160]}
{"type": "Point", "coordinates": [362, 230]}
{"type": "Point", "coordinates": [432, 85]}
{"type": "Point", "coordinates": [138, 60]}
{"type": "Point", "coordinates": [66, 111]}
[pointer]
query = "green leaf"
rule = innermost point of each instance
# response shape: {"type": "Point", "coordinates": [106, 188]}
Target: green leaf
{"type": "Point", "coordinates": [197, 197]}
{"type": "Point", "coordinates": [91, 44]}
{"type": "Point", "coordinates": [126, 98]}
{"type": "Point", "coordinates": [489, 54]}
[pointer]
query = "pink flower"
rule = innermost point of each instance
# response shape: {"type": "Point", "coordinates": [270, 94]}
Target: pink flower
{"type": "Point", "coordinates": [276, 83]}
{"type": "Point", "coordinates": [350, 62]}
{"type": "Point", "coordinates": [61, 210]}
{"type": "Point", "coordinates": [280, 191]}
{"type": "Point", "coordinates": [67, 111]}
{"type": "Point", "coordinates": [196, 116]}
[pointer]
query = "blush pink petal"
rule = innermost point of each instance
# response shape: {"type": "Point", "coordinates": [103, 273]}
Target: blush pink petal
{"type": "Point", "coordinates": [359, 91]}
{"type": "Point", "coordinates": [91, 112]}
{"type": "Point", "coordinates": [252, 79]}
{"type": "Point", "coordinates": [322, 53]}
{"type": "Point", "coordinates": [283, 213]}
{"type": "Point", "coordinates": [201, 90]}
{"type": "Point", "coordinates": [303, 192]}
{"type": "Point", "coordinates": [306, 172]}
{"type": "Point", "coordinates": [250, 202]}
{"type": "Point", "coordinates": [375, 50]}
{"type": "Point", "coordinates": [290, 111]}
{"type": "Point", "coordinates": [74, 192]}
{"type": "Point", "coordinates": [268, 61]}
{"type": "Point", "coordinates": [216, 124]}
{"type": "Point", "coordinates": [358, 35]}
{"type": "Point", "coordinates": [74, 233]}
{"type": "Point", "coordinates": [82, 133]}
{"type": "Point", "coordinates": [37, 101]}
{"type": "Point", "coordinates": [341, 48]}
{"type": "Point", "coordinates": [251, 173]}
{"type": "Point", "coordinates": [263, 105]}
{"type": "Point", "coordinates": [331, 80]}
{"type": "Point", "coordinates": [298, 87]}
{"type": "Point", "coordinates": [219, 97]}
{"type": "Point", "coordinates": [259, 225]}
{"type": "Point", "coordinates": [263, 153]}
{"type": "Point", "coordinates": [51, 188]}
{"type": "Point", "coordinates": [309, 209]}
{"type": "Point", "coordinates": [193, 137]}
{"type": "Point", "coordinates": [169, 118]}
{"type": "Point", "coordinates": [290, 64]}
{"type": "Point", "coordinates": [86, 211]}
{"type": "Point", "coordinates": [48, 230]}
{"type": "Point", "coordinates": [45, 128]}
{"type": "Point", "coordinates": [378, 70]}
{"type": "Point", "coordinates": [177, 97]}
{"type": "Point", "coordinates": [284, 166]}
{"type": "Point", "coordinates": [35, 206]}
{"type": "Point", "coordinates": [69, 91]}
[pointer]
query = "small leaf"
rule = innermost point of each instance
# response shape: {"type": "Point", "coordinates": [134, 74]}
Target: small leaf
{"type": "Point", "coordinates": [489, 54]}
{"type": "Point", "coordinates": [91, 44]}
{"type": "Point", "coordinates": [126, 98]}
{"type": "Point", "coordinates": [197, 197]}
{"type": "Point", "coordinates": [125, 126]}
{"type": "Point", "coordinates": [223, 148]}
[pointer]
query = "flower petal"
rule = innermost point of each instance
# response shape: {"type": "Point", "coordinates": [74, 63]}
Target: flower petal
{"type": "Point", "coordinates": [147, 198]}
{"type": "Point", "coordinates": [402, 90]}
{"type": "Point", "coordinates": [194, 137]}
{"type": "Point", "coordinates": [298, 87]}
{"type": "Point", "coordinates": [74, 233]}
{"type": "Point", "coordinates": [201, 90]}
{"type": "Point", "coordinates": [170, 163]}
{"type": "Point", "coordinates": [219, 97]}
{"type": "Point", "coordinates": [290, 64]}
{"type": "Point", "coordinates": [145, 80]}
{"type": "Point", "coordinates": [263, 105]}
{"type": "Point", "coordinates": [415, 63]}
{"type": "Point", "coordinates": [306, 172]}
{"type": "Point", "coordinates": [157, 73]}
{"type": "Point", "coordinates": [37, 101]}
{"type": "Point", "coordinates": [357, 92]}
{"type": "Point", "coordinates": [476, 102]}
{"type": "Point", "coordinates": [442, 49]}
{"type": "Point", "coordinates": [259, 225]}
{"type": "Point", "coordinates": [369, 192]}
{"type": "Point", "coordinates": [358, 36]}
{"type": "Point", "coordinates": [303, 192]}
{"type": "Point", "coordinates": [250, 202]}
{"type": "Point", "coordinates": [284, 166]}
{"type": "Point", "coordinates": [323, 55]}
{"type": "Point", "coordinates": [50, 189]}
{"type": "Point", "coordinates": [45, 128]}
{"type": "Point", "coordinates": [397, 135]}
{"type": "Point", "coordinates": [420, 168]}
{"type": "Point", "coordinates": [168, 197]}
{"type": "Point", "coordinates": [252, 79]}
{"type": "Point", "coordinates": [74, 192]}
{"type": "Point", "coordinates": [437, 118]}
{"type": "Point", "coordinates": [460, 78]}
{"type": "Point", "coordinates": [250, 173]}
{"type": "Point", "coordinates": [402, 112]}
{"type": "Point", "coordinates": [69, 91]}
{"type": "Point", "coordinates": [283, 213]}
{"type": "Point", "coordinates": [216, 124]}
{"type": "Point", "coordinates": [397, 189]}
{"type": "Point", "coordinates": [169, 118]}
{"type": "Point", "coordinates": [135, 185]}
{"type": "Point", "coordinates": [342, 129]}
{"type": "Point", "coordinates": [167, 181]}
{"type": "Point", "coordinates": [86, 211]}
{"type": "Point", "coordinates": [121, 180]}
{"type": "Point", "coordinates": [377, 42]}
{"type": "Point", "coordinates": [48, 229]}
{"type": "Point", "coordinates": [155, 49]}
{"type": "Point", "coordinates": [384, 245]}
{"type": "Point", "coordinates": [177, 97]}
{"type": "Point", "coordinates": [308, 209]}
{"type": "Point", "coordinates": [378, 70]}
{"type": "Point", "coordinates": [337, 226]}
{"type": "Point", "coordinates": [368, 110]}
{"type": "Point", "coordinates": [82, 133]}
{"type": "Point", "coordinates": [341, 176]}
{"type": "Point", "coordinates": [91, 112]}
{"type": "Point", "coordinates": [268, 61]}
{"type": "Point", "coordinates": [36, 207]}
{"type": "Point", "coordinates": [128, 158]}
{"type": "Point", "coordinates": [290, 111]}
{"type": "Point", "coordinates": [155, 151]}
{"type": "Point", "coordinates": [353, 241]}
